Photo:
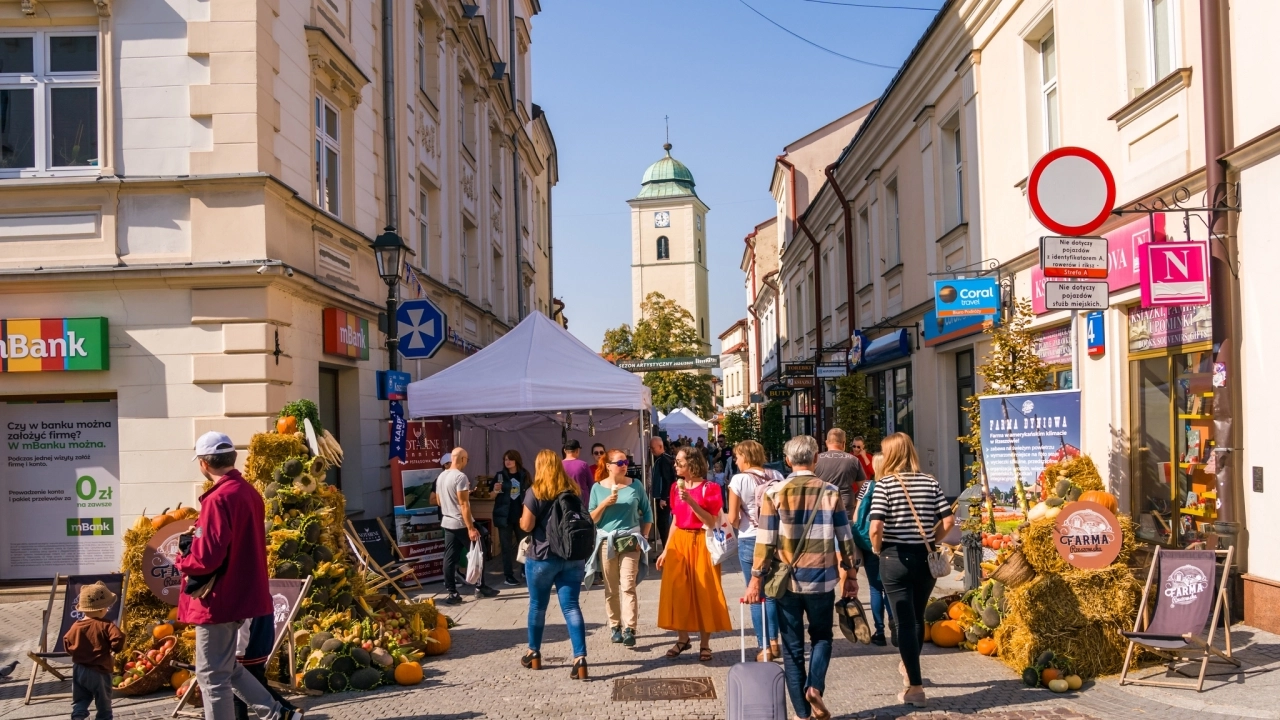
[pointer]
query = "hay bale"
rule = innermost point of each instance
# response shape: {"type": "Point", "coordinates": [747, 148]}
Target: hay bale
{"type": "Point", "coordinates": [266, 451]}
{"type": "Point", "coordinates": [1094, 650]}
{"type": "Point", "coordinates": [1108, 595]}
{"type": "Point", "coordinates": [1080, 470]}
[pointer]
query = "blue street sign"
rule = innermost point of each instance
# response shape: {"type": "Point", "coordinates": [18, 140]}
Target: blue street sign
{"type": "Point", "coordinates": [393, 384]}
{"type": "Point", "coordinates": [1096, 332]}
{"type": "Point", "coordinates": [422, 327]}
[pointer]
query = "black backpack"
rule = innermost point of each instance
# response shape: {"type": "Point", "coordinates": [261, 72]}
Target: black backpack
{"type": "Point", "coordinates": [571, 534]}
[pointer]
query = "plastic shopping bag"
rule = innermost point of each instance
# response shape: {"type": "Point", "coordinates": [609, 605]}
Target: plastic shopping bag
{"type": "Point", "coordinates": [475, 564]}
{"type": "Point", "coordinates": [721, 542]}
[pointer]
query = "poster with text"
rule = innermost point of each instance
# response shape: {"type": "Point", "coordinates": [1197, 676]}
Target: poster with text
{"type": "Point", "coordinates": [61, 489]}
{"type": "Point", "coordinates": [413, 485]}
{"type": "Point", "coordinates": [1023, 433]}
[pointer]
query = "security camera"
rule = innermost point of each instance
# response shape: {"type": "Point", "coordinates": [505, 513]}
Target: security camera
{"type": "Point", "coordinates": [262, 269]}
{"type": "Point", "coordinates": [288, 271]}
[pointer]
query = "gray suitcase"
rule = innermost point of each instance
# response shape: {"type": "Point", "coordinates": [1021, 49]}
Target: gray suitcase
{"type": "Point", "coordinates": [757, 690]}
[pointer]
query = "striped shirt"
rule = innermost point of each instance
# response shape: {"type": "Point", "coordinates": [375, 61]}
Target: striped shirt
{"type": "Point", "coordinates": [889, 505]}
{"type": "Point", "coordinates": [784, 510]}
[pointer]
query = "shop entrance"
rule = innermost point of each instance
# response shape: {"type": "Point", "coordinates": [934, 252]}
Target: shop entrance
{"type": "Point", "coordinates": [330, 414]}
{"type": "Point", "coordinates": [1174, 492]}
{"type": "Point", "coordinates": [964, 390]}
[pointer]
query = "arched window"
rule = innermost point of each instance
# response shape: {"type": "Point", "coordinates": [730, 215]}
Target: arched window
{"type": "Point", "coordinates": [699, 246]}
{"type": "Point", "coordinates": [664, 248]}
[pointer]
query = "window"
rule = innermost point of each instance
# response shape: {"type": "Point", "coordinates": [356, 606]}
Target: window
{"type": "Point", "coordinates": [429, 58]}
{"type": "Point", "coordinates": [1160, 28]}
{"type": "Point", "coordinates": [48, 101]}
{"type": "Point", "coordinates": [497, 286]}
{"type": "Point", "coordinates": [424, 231]}
{"type": "Point", "coordinates": [892, 240]}
{"type": "Point", "coordinates": [959, 174]}
{"type": "Point", "coordinates": [664, 248]}
{"type": "Point", "coordinates": [1049, 90]}
{"type": "Point", "coordinates": [328, 157]}
{"type": "Point", "coordinates": [422, 55]}
{"type": "Point", "coordinates": [698, 245]}
{"type": "Point", "coordinates": [702, 327]}
{"type": "Point", "coordinates": [698, 222]}
{"type": "Point", "coordinates": [864, 248]}
{"type": "Point", "coordinates": [467, 118]}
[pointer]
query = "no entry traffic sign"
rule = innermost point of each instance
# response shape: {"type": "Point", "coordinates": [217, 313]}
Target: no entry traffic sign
{"type": "Point", "coordinates": [1071, 191]}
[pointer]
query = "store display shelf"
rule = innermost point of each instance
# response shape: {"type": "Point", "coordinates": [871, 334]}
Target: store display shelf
{"type": "Point", "coordinates": [1188, 416]}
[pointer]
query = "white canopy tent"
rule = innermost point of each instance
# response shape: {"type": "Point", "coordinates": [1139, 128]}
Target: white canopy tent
{"type": "Point", "coordinates": [682, 421]}
{"type": "Point", "coordinates": [529, 389]}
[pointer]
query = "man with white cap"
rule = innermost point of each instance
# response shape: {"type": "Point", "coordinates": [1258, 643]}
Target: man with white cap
{"type": "Point", "coordinates": [224, 564]}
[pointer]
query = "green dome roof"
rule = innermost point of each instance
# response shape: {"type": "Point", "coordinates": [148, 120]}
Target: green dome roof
{"type": "Point", "coordinates": [667, 178]}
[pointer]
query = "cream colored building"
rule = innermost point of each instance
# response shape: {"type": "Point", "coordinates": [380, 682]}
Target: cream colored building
{"type": "Point", "coordinates": [735, 371]}
{"type": "Point", "coordinates": [209, 176]}
{"type": "Point", "coordinates": [669, 242]}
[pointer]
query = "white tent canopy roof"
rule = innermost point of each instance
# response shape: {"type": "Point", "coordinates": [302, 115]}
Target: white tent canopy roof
{"type": "Point", "coordinates": [683, 421]}
{"type": "Point", "coordinates": [537, 368]}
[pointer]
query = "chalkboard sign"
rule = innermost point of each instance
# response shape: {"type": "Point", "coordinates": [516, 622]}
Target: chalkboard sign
{"type": "Point", "coordinates": [375, 541]}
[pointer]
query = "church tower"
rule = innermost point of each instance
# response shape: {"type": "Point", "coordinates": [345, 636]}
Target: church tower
{"type": "Point", "coordinates": [669, 242]}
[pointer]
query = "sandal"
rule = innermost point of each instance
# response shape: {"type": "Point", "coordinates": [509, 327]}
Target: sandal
{"type": "Point", "coordinates": [704, 654]}
{"type": "Point", "coordinates": [678, 648]}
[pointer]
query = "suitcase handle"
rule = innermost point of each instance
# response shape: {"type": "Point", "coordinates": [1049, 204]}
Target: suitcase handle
{"type": "Point", "coordinates": [742, 623]}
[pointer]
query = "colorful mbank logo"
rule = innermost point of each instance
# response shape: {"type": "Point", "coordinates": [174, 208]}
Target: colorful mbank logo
{"type": "Point", "coordinates": [90, 526]}
{"type": "Point", "coordinates": [54, 344]}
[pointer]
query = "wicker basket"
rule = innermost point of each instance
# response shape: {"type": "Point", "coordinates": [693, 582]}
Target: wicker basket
{"type": "Point", "coordinates": [156, 679]}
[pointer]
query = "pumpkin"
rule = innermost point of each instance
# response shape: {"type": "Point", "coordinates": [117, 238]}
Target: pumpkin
{"type": "Point", "coordinates": [441, 636]}
{"type": "Point", "coordinates": [957, 610]}
{"type": "Point", "coordinates": [162, 631]}
{"type": "Point", "coordinates": [1105, 499]}
{"type": "Point", "coordinates": [1074, 682]}
{"type": "Point", "coordinates": [287, 425]}
{"type": "Point", "coordinates": [183, 513]}
{"type": "Point", "coordinates": [928, 632]}
{"type": "Point", "coordinates": [1059, 686]}
{"type": "Point", "coordinates": [161, 520]}
{"type": "Point", "coordinates": [1048, 675]}
{"type": "Point", "coordinates": [986, 646]}
{"type": "Point", "coordinates": [408, 673]}
{"type": "Point", "coordinates": [947, 634]}
{"type": "Point", "coordinates": [179, 678]}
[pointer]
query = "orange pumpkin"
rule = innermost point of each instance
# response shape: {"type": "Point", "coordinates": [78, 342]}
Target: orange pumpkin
{"type": "Point", "coordinates": [986, 646]}
{"type": "Point", "coordinates": [182, 513]}
{"type": "Point", "coordinates": [179, 678]}
{"type": "Point", "coordinates": [441, 636]}
{"type": "Point", "coordinates": [928, 632]}
{"type": "Point", "coordinates": [408, 673]}
{"type": "Point", "coordinates": [947, 634]}
{"type": "Point", "coordinates": [1105, 499]}
{"type": "Point", "coordinates": [1049, 674]}
{"type": "Point", "coordinates": [287, 425]}
{"type": "Point", "coordinates": [162, 631]}
{"type": "Point", "coordinates": [957, 610]}
{"type": "Point", "coordinates": [161, 520]}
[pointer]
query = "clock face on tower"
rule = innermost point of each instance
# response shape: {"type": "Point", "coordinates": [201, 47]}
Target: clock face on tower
{"type": "Point", "coordinates": [662, 219]}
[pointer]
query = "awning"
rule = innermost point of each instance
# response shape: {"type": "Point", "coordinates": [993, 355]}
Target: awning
{"type": "Point", "coordinates": [897, 344]}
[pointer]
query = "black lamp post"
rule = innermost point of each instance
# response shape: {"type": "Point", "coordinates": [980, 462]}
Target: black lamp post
{"type": "Point", "coordinates": [388, 250]}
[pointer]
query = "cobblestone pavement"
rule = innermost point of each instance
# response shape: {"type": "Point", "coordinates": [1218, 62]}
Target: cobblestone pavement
{"type": "Point", "coordinates": [481, 677]}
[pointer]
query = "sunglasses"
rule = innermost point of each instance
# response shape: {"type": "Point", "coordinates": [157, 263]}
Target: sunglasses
{"type": "Point", "coordinates": [620, 463]}
{"type": "Point", "coordinates": [597, 452]}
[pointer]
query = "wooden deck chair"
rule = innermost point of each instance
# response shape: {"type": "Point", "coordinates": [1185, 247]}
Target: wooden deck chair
{"type": "Point", "coordinates": [286, 597]}
{"type": "Point", "coordinates": [1184, 597]}
{"type": "Point", "coordinates": [397, 556]}
{"type": "Point", "coordinates": [377, 574]}
{"type": "Point", "coordinates": [54, 658]}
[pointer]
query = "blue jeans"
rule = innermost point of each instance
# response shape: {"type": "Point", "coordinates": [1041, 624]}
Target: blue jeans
{"type": "Point", "coordinates": [879, 601]}
{"type": "Point", "coordinates": [792, 610]}
{"type": "Point", "coordinates": [567, 576]}
{"type": "Point", "coordinates": [90, 685]}
{"type": "Point", "coordinates": [746, 556]}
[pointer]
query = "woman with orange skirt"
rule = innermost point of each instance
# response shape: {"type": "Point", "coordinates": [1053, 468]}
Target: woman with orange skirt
{"type": "Point", "coordinates": [692, 599]}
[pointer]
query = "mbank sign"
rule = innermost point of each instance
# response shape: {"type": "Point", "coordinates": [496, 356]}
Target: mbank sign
{"type": "Point", "coordinates": [346, 334]}
{"type": "Point", "coordinates": [54, 344]}
{"type": "Point", "coordinates": [966, 296]}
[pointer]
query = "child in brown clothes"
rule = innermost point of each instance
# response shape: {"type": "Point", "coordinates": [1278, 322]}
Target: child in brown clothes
{"type": "Point", "coordinates": [91, 643]}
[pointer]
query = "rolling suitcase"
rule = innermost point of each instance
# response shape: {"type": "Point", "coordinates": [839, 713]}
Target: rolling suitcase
{"type": "Point", "coordinates": [757, 690]}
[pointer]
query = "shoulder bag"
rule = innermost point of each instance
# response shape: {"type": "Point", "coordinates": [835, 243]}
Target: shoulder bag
{"type": "Point", "coordinates": [939, 562]}
{"type": "Point", "coordinates": [779, 582]}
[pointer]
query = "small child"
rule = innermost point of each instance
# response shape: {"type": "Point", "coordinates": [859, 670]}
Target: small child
{"type": "Point", "coordinates": [92, 642]}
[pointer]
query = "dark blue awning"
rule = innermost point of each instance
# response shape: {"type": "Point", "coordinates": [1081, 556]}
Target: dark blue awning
{"type": "Point", "coordinates": [897, 344]}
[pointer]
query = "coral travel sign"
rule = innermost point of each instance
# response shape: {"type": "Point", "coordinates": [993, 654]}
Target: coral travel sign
{"type": "Point", "coordinates": [54, 344]}
{"type": "Point", "coordinates": [966, 296]}
{"type": "Point", "coordinates": [346, 334]}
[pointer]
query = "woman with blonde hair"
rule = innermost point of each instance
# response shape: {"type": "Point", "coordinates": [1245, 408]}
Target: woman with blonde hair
{"type": "Point", "coordinates": [543, 568]}
{"type": "Point", "coordinates": [621, 510]}
{"type": "Point", "coordinates": [908, 510]}
{"type": "Point", "coordinates": [691, 599]}
{"type": "Point", "coordinates": [745, 491]}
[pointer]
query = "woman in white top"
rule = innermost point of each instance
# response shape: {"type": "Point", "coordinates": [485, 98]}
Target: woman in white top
{"type": "Point", "coordinates": [744, 514]}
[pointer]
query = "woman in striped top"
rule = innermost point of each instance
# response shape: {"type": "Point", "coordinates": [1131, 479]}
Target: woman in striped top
{"type": "Point", "coordinates": [902, 539]}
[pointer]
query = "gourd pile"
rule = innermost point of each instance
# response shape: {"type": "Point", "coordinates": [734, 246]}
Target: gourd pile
{"type": "Point", "coordinates": [967, 622]}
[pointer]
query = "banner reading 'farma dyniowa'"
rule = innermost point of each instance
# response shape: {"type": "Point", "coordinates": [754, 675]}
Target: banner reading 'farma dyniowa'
{"type": "Point", "coordinates": [1023, 433]}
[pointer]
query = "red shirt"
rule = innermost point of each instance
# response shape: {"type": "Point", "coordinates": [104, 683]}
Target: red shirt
{"type": "Point", "coordinates": [231, 539]}
{"type": "Point", "coordinates": [868, 469]}
{"type": "Point", "coordinates": [708, 497]}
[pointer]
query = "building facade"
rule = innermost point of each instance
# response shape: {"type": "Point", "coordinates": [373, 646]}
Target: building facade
{"type": "Point", "coordinates": [932, 184]}
{"type": "Point", "coordinates": [204, 181]}
{"type": "Point", "coordinates": [735, 370]}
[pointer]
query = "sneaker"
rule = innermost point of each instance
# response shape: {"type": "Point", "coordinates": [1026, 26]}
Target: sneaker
{"type": "Point", "coordinates": [510, 582]}
{"type": "Point", "coordinates": [628, 638]}
{"type": "Point", "coordinates": [617, 635]}
{"type": "Point", "coordinates": [453, 599]}
{"type": "Point", "coordinates": [290, 713]}
{"type": "Point", "coordinates": [878, 638]}
{"type": "Point", "coordinates": [485, 591]}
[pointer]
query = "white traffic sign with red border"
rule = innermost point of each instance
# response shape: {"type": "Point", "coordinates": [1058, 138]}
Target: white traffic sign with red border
{"type": "Point", "coordinates": [1071, 191]}
{"type": "Point", "coordinates": [1073, 257]}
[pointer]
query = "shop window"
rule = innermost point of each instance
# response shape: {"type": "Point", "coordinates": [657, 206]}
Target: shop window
{"type": "Point", "coordinates": [964, 390]}
{"type": "Point", "coordinates": [1058, 377]}
{"type": "Point", "coordinates": [1174, 489]}
{"type": "Point", "coordinates": [49, 88]}
{"type": "Point", "coordinates": [892, 238]}
{"type": "Point", "coordinates": [328, 158]}
{"type": "Point", "coordinates": [664, 248]}
{"type": "Point", "coordinates": [892, 392]}
{"type": "Point", "coordinates": [1049, 90]}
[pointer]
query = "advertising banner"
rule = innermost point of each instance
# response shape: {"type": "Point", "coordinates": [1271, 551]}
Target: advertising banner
{"type": "Point", "coordinates": [54, 344]}
{"type": "Point", "coordinates": [61, 489]}
{"type": "Point", "coordinates": [1053, 346]}
{"type": "Point", "coordinates": [966, 296]}
{"type": "Point", "coordinates": [1175, 273]}
{"type": "Point", "coordinates": [413, 485]}
{"type": "Point", "coordinates": [1162, 327]}
{"type": "Point", "coordinates": [1023, 433]}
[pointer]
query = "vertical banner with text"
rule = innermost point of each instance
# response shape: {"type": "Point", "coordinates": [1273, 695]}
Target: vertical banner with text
{"type": "Point", "coordinates": [413, 483]}
{"type": "Point", "coordinates": [61, 489]}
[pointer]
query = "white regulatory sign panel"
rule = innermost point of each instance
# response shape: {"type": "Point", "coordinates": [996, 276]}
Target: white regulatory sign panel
{"type": "Point", "coordinates": [1073, 257]}
{"type": "Point", "coordinates": [1075, 295]}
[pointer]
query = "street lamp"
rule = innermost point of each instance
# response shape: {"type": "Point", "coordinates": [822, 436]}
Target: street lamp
{"type": "Point", "coordinates": [388, 250]}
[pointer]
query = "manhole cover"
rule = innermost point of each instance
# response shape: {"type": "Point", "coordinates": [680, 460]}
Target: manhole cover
{"type": "Point", "coordinates": [641, 689]}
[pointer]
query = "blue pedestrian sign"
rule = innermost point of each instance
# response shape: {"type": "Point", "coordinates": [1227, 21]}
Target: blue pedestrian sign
{"type": "Point", "coordinates": [422, 327]}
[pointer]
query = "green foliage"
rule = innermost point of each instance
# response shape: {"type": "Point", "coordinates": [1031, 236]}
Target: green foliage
{"type": "Point", "coordinates": [301, 409]}
{"type": "Point", "coordinates": [773, 430]}
{"type": "Point", "coordinates": [855, 410]}
{"type": "Point", "coordinates": [665, 330]}
{"type": "Point", "coordinates": [739, 426]}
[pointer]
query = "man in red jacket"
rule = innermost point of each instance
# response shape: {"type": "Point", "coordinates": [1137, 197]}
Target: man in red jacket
{"type": "Point", "coordinates": [225, 582]}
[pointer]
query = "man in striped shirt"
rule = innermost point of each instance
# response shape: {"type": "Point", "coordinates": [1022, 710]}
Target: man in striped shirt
{"type": "Point", "coordinates": [803, 523]}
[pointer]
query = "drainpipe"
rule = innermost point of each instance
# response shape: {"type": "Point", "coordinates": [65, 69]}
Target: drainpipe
{"type": "Point", "coordinates": [389, 116]}
{"type": "Point", "coordinates": [851, 290]}
{"type": "Point", "coordinates": [749, 241]}
{"type": "Point", "coordinates": [515, 159]}
{"type": "Point", "coordinates": [1214, 48]}
{"type": "Point", "coordinates": [818, 390]}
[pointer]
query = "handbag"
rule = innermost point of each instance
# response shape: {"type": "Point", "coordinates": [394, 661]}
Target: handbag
{"type": "Point", "coordinates": [721, 542]}
{"type": "Point", "coordinates": [939, 562]}
{"type": "Point", "coordinates": [475, 564]}
{"type": "Point", "coordinates": [778, 583]}
{"type": "Point", "coordinates": [522, 553]}
{"type": "Point", "coordinates": [625, 543]}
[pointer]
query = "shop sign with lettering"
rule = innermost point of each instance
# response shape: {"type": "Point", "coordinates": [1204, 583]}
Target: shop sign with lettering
{"type": "Point", "coordinates": [346, 334]}
{"type": "Point", "coordinates": [54, 345]}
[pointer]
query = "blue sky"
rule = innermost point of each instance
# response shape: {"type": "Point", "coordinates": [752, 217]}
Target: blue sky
{"type": "Point", "coordinates": [737, 89]}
